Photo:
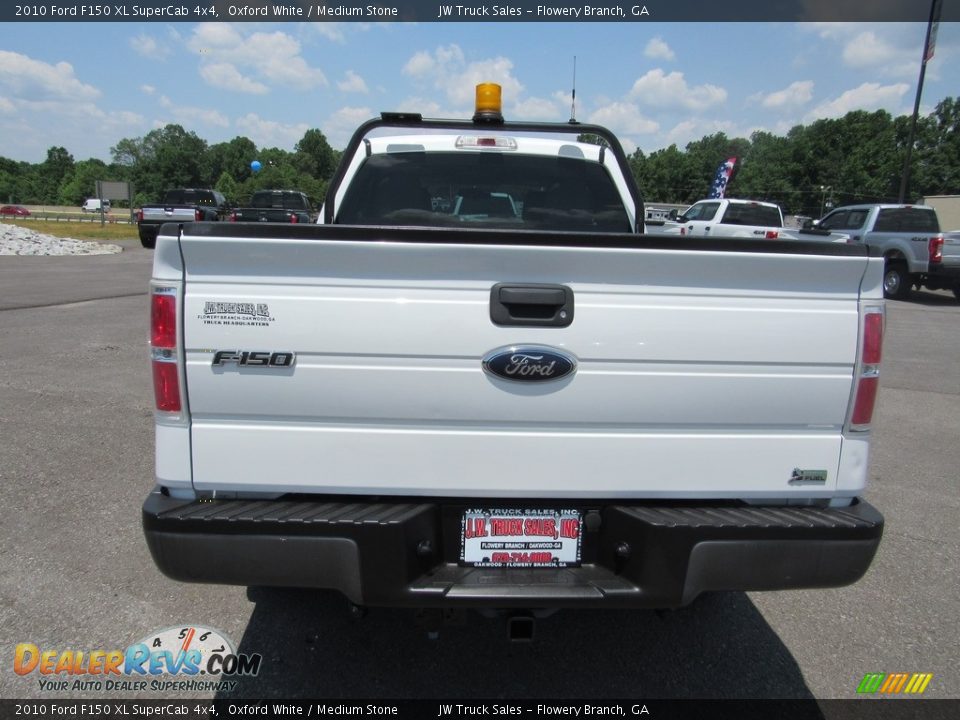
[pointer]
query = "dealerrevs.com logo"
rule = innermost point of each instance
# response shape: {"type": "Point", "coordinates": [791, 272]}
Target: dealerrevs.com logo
{"type": "Point", "coordinates": [182, 658]}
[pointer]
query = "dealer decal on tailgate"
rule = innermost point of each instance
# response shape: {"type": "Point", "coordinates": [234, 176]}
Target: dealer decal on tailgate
{"type": "Point", "coordinates": [520, 537]}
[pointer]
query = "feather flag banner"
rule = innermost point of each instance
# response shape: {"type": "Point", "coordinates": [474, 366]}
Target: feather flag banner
{"type": "Point", "coordinates": [722, 177]}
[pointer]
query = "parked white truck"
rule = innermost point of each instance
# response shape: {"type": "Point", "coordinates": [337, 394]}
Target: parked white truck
{"type": "Point", "coordinates": [538, 409]}
{"type": "Point", "coordinates": [739, 218]}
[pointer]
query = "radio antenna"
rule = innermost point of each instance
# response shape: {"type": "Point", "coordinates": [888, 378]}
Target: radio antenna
{"type": "Point", "coordinates": [573, 94]}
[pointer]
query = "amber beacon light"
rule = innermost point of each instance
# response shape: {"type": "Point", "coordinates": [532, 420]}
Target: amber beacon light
{"type": "Point", "coordinates": [488, 103]}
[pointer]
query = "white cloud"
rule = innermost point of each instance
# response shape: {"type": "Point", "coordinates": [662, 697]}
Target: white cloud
{"type": "Point", "coordinates": [868, 51]}
{"type": "Point", "coordinates": [24, 78]}
{"type": "Point", "coordinates": [419, 65]}
{"type": "Point", "coordinates": [225, 75]}
{"type": "Point", "coordinates": [258, 59]}
{"type": "Point", "coordinates": [353, 83]}
{"type": "Point", "coordinates": [545, 109]}
{"type": "Point", "coordinates": [187, 115]}
{"type": "Point", "coordinates": [659, 89]}
{"type": "Point", "coordinates": [447, 70]}
{"type": "Point", "coordinates": [887, 49]}
{"type": "Point", "coordinates": [147, 46]}
{"type": "Point", "coordinates": [688, 131]}
{"type": "Point", "coordinates": [148, 89]}
{"type": "Point", "coordinates": [658, 49]}
{"type": "Point", "coordinates": [330, 30]}
{"type": "Point", "coordinates": [623, 118]}
{"type": "Point", "coordinates": [793, 96]}
{"type": "Point", "coordinates": [7, 107]}
{"type": "Point", "coordinates": [868, 96]}
{"type": "Point", "coordinates": [269, 133]}
{"type": "Point", "coordinates": [340, 125]}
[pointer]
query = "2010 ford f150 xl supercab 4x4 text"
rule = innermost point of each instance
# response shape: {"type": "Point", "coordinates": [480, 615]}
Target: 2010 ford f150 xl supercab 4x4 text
{"type": "Point", "coordinates": [533, 407]}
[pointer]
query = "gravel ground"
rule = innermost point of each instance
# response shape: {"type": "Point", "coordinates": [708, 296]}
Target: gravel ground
{"type": "Point", "coordinates": [16, 240]}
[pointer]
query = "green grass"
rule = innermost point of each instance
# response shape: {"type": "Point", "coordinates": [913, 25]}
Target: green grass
{"type": "Point", "coordinates": [112, 232]}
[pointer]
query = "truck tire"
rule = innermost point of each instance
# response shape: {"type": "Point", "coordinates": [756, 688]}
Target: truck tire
{"type": "Point", "coordinates": [956, 291]}
{"type": "Point", "coordinates": [896, 281]}
{"type": "Point", "coordinates": [149, 243]}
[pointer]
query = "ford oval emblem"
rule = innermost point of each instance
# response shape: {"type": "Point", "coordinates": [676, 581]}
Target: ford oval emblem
{"type": "Point", "coordinates": [529, 363]}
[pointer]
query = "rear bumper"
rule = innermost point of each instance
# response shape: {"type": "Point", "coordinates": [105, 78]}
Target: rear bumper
{"type": "Point", "coordinates": [943, 275]}
{"type": "Point", "coordinates": [148, 231]}
{"type": "Point", "coordinates": [404, 554]}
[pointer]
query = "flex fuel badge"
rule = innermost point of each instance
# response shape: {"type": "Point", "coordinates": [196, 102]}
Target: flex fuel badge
{"type": "Point", "coordinates": [808, 477]}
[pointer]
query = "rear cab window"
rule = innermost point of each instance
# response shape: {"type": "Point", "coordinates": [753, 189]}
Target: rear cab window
{"type": "Point", "coordinates": [194, 197]}
{"type": "Point", "coordinates": [521, 184]}
{"type": "Point", "coordinates": [907, 219]}
{"type": "Point", "coordinates": [282, 200]}
{"type": "Point", "coordinates": [748, 214]}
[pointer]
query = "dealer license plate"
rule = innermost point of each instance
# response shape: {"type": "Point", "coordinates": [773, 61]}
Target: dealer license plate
{"type": "Point", "coordinates": [521, 538]}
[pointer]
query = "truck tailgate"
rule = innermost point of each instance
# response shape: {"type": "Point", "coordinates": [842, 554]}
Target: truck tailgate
{"type": "Point", "coordinates": [704, 369]}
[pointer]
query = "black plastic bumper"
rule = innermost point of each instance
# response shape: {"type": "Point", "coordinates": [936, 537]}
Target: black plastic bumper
{"type": "Point", "coordinates": [404, 554]}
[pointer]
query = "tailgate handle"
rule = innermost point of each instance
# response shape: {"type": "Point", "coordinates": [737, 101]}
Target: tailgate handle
{"type": "Point", "coordinates": [534, 305]}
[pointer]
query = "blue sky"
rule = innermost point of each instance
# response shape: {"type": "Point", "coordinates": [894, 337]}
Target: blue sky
{"type": "Point", "coordinates": [87, 85]}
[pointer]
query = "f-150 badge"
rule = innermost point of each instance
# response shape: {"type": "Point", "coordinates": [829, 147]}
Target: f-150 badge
{"type": "Point", "coordinates": [529, 363]}
{"type": "Point", "coordinates": [254, 358]}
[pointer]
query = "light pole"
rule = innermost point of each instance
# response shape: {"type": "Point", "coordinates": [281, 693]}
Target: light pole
{"type": "Point", "coordinates": [928, 46]}
{"type": "Point", "coordinates": [824, 189]}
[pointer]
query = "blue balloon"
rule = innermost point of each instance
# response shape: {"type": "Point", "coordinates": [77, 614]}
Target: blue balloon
{"type": "Point", "coordinates": [255, 166]}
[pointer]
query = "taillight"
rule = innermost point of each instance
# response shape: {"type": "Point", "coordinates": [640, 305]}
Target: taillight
{"type": "Point", "coordinates": [198, 214]}
{"type": "Point", "coordinates": [293, 218]}
{"type": "Point", "coordinates": [772, 234]}
{"type": "Point", "coordinates": [139, 215]}
{"type": "Point", "coordinates": [935, 246]}
{"type": "Point", "coordinates": [163, 350]}
{"type": "Point", "coordinates": [233, 217]}
{"type": "Point", "coordinates": [868, 369]}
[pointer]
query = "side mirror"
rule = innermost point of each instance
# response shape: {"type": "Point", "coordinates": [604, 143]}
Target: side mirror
{"type": "Point", "coordinates": [808, 224]}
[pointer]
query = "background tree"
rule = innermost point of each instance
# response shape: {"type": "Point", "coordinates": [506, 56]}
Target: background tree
{"type": "Point", "coordinates": [765, 172]}
{"type": "Point", "coordinates": [233, 157]}
{"type": "Point", "coordinates": [706, 154]}
{"type": "Point", "coordinates": [81, 183]}
{"type": "Point", "coordinates": [666, 178]}
{"type": "Point", "coordinates": [11, 180]}
{"type": "Point", "coordinates": [229, 187]}
{"type": "Point", "coordinates": [936, 157]}
{"type": "Point", "coordinates": [313, 155]}
{"type": "Point", "coordinates": [165, 158]}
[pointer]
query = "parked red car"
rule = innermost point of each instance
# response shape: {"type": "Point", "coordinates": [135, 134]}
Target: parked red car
{"type": "Point", "coordinates": [14, 210]}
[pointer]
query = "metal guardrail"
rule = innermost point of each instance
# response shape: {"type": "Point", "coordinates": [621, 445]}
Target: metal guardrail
{"type": "Point", "coordinates": [52, 216]}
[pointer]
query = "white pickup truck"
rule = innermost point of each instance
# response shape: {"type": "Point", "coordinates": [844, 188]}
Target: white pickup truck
{"type": "Point", "coordinates": [540, 409]}
{"type": "Point", "coordinates": [737, 218]}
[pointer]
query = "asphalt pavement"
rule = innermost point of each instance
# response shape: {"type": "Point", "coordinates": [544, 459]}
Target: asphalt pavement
{"type": "Point", "coordinates": [76, 461]}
